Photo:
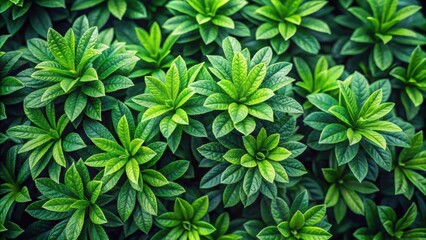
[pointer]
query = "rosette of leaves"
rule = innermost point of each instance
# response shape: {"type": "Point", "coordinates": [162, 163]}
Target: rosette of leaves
{"type": "Point", "coordinates": [259, 159]}
{"type": "Point", "coordinates": [185, 222]}
{"type": "Point", "coordinates": [246, 89]}
{"type": "Point", "coordinates": [135, 154]}
{"type": "Point", "coordinates": [8, 84]}
{"type": "Point", "coordinates": [410, 168]}
{"type": "Point", "coordinates": [76, 204]}
{"type": "Point", "coordinates": [211, 19]}
{"type": "Point", "coordinates": [383, 30]}
{"type": "Point", "coordinates": [413, 81]}
{"type": "Point", "coordinates": [355, 125]}
{"type": "Point", "coordinates": [298, 221]}
{"type": "Point", "coordinates": [172, 101]}
{"type": "Point", "coordinates": [256, 167]}
{"type": "Point", "coordinates": [282, 21]}
{"type": "Point", "coordinates": [383, 223]}
{"type": "Point", "coordinates": [133, 9]}
{"type": "Point", "coordinates": [250, 166]}
{"type": "Point", "coordinates": [80, 68]}
{"type": "Point", "coordinates": [33, 14]}
{"type": "Point", "coordinates": [154, 56]}
{"type": "Point", "coordinates": [321, 80]}
{"type": "Point", "coordinates": [12, 191]}
{"type": "Point", "coordinates": [344, 192]}
{"type": "Point", "coordinates": [125, 155]}
{"type": "Point", "coordinates": [45, 139]}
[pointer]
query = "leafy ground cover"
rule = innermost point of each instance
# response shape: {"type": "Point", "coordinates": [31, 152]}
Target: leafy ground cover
{"type": "Point", "coordinates": [212, 119]}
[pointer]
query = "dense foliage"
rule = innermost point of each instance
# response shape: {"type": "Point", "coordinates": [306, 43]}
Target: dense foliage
{"type": "Point", "coordinates": [212, 119]}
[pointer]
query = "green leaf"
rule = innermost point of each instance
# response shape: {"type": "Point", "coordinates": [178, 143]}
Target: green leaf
{"type": "Point", "coordinates": [387, 217]}
{"type": "Point", "coordinates": [108, 146]}
{"type": "Point", "coordinates": [213, 151]}
{"type": "Point", "coordinates": [353, 201]}
{"type": "Point", "coordinates": [417, 179]}
{"type": "Point", "coordinates": [415, 95]}
{"type": "Point", "coordinates": [254, 79]}
{"type": "Point", "coordinates": [204, 228]}
{"type": "Point", "coordinates": [155, 111]}
{"type": "Point", "coordinates": [208, 33]}
{"type": "Point", "coordinates": [132, 171]}
{"type": "Point", "coordinates": [218, 101]}
{"type": "Point", "coordinates": [167, 126]}
{"type": "Point", "coordinates": [314, 215]}
{"type": "Point", "coordinates": [237, 112]}
{"type": "Point", "coordinates": [306, 42]}
{"type": "Point", "coordinates": [315, 24]}
{"type": "Point", "coordinates": [239, 70]}
{"type": "Point", "coordinates": [96, 215]}
{"type": "Point", "coordinates": [408, 218]}
{"type": "Point", "coordinates": [381, 156]}
{"type": "Point", "coordinates": [157, 88]}
{"type": "Point", "coordinates": [322, 101]}
{"type": "Point", "coordinates": [341, 113]}
{"type": "Point", "coordinates": [10, 85]}
{"type": "Point", "coordinates": [75, 224]}
{"type": "Point", "coordinates": [252, 181]}
{"type": "Point", "coordinates": [169, 219]}
{"type": "Point", "coordinates": [279, 154]}
{"type": "Point", "coordinates": [94, 89]}
{"type": "Point", "coordinates": [297, 221]}
{"type": "Point", "coordinates": [380, 111]}
{"type": "Point", "coordinates": [123, 131]}
{"type": "Point", "coordinates": [74, 182]}
{"type": "Point", "coordinates": [230, 47]}
{"type": "Point", "coordinates": [287, 30]}
{"type": "Point", "coordinates": [154, 178]}
{"type": "Point", "coordinates": [345, 153]}
{"type": "Point", "coordinates": [148, 200]}
{"type": "Point", "coordinates": [172, 82]}
{"type": "Point", "coordinates": [72, 142]}
{"type": "Point", "coordinates": [269, 233]}
{"type": "Point", "coordinates": [117, 82]}
{"type": "Point", "coordinates": [59, 204]}
{"type": "Point", "coordinates": [60, 49]}
{"type": "Point", "coordinates": [350, 101]}
{"type": "Point", "coordinates": [75, 104]}
{"type": "Point", "coordinates": [223, 21]}
{"type": "Point", "coordinates": [374, 137]}
{"type": "Point", "coordinates": [261, 95]}
{"type": "Point", "coordinates": [180, 117]}
{"type": "Point", "coordinates": [222, 125]}
{"type": "Point", "coordinates": [406, 12]}
{"type": "Point", "coordinates": [317, 233]}
{"type": "Point", "coordinates": [310, 7]}
{"type": "Point", "coordinates": [195, 129]}
{"type": "Point", "coordinates": [333, 133]}
{"type": "Point", "coordinates": [94, 188]}
{"type": "Point", "coordinates": [58, 154]}
{"type": "Point", "coordinates": [267, 30]}
{"type": "Point", "coordinates": [332, 196]}
{"type": "Point", "coordinates": [371, 104]}
{"type": "Point", "coordinates": [383, 57]}
{"type": "Point", "coordinates": [359, 166]}
{"type": "Point", "coordinates": [175, 169]}
{"type": "Point", "coordinates": [117, 8]}
{"type": "Point", "coordinates": [266, 170]}
{"type": "Point", "coordinates": [200, 206]}
{"type": "Point", "coordinates": [232, 174]}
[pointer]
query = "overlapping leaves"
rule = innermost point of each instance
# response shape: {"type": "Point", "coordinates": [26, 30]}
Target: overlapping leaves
{"type": "Point", "coordinates": [355, 124]}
